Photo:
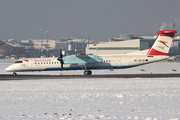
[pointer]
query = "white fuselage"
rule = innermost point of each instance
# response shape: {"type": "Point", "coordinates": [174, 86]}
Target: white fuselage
{"type": "Point", "coordinates": [109, 62]}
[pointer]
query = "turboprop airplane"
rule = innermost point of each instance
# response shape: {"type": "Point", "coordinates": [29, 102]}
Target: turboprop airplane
{"type": "Point", "coordinates": [88, 62]}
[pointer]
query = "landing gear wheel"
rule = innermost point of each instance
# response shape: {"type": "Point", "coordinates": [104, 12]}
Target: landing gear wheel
{"type": "Point", "coordinates": [14, 74]}
{"type": "Point", "coordinates": [87, 72]}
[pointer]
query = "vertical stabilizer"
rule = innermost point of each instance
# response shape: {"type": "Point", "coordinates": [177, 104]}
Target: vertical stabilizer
{"type": "Point", "coordinates": [163, 43]}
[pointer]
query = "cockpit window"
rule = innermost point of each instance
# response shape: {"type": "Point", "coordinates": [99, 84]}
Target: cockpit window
{"type": "Point", "coordinates": [18, 62]}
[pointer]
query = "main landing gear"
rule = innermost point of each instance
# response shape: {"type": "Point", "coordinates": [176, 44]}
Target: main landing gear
{"type": "Point", "coordinates": [86, 72]}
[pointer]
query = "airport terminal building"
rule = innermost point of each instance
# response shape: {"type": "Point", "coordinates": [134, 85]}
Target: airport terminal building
{"type": "Point", "coordinates": [127, 43]}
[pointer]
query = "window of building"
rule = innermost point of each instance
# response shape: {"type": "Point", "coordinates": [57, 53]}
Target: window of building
{"type": "Point", "coordinates": [92, 48]}
{"type": "Point", "coordinates": [115, 48]}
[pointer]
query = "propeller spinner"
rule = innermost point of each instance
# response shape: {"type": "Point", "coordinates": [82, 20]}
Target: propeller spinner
{"type": "Point", "coordinates": [60, 58]}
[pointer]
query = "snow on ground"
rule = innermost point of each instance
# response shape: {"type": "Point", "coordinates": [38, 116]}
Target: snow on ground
{"type": "Point", "coordinates": [90, 99]}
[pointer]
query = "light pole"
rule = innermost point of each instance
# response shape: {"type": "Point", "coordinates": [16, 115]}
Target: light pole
{"type": "Point", "coordinates": [75, 31]}
{"type": "Point", "coordinates": [82, 42]}
{"type": "Point", "coordinates": [47, 43]}
{"type": "Point", "coordinates": [41, 41]}
{"type": "Point", "coordinates": [88, 39]}
{"type": "Point", "coordinates": [75, 44]}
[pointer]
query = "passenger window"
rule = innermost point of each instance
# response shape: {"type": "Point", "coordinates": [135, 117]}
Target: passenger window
{"type": "Point", "coordinates": [54, 62]}
{"type": "Point", "coordinates": [49, 62]}
{"type": "Point", "coordinates": [46, 62]}
{"type": "Point", "coordinates": [41, 62]}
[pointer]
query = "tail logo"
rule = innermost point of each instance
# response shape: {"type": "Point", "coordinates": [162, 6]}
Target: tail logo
{"type": "Point", "coordinates": [163, 42]}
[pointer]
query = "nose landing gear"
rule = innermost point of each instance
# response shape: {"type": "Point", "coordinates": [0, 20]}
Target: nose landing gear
{"type": "Point", "coordinates": [14, 73]}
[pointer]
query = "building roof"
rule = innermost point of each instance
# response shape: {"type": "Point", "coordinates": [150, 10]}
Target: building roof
{"type": "Point", "coordinates": [143, 38]}
{"type": "Point", "coordinates": [14, 44]}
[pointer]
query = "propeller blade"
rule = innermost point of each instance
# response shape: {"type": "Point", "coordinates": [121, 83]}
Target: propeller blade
{"type": "Point", "coordinates": [61, 66]}
{"type": "Point", "coordinates": [61, 55]}
{"type": "Point", "coordinates": [60, 58]}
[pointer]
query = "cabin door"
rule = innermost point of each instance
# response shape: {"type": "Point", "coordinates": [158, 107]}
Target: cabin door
{"type": "Point", "coordinates": [30, 64]}
{"type": "Point", "coordinates": [119, 61]}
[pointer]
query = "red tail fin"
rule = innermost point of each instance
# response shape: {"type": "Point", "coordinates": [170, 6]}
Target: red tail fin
{"type": "Point", "coordinates": [163, 43]}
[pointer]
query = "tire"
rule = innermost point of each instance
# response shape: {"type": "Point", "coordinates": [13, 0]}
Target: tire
{"type": "Point", "coordinates": [87, 72]}
{"type": "Point", "coordinates": [14, 74]}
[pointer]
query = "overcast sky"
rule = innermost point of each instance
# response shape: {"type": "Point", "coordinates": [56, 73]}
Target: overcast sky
{"type": "Point", "coordinates": [103, 19]}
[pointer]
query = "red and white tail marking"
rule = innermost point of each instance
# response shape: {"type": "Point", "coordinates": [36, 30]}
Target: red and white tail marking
{"type": "Point", "coordinates": [163, 43]}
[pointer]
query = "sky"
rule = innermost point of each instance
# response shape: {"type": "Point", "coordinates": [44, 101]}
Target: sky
{"type": "Point", "coordinates": [102, 19]}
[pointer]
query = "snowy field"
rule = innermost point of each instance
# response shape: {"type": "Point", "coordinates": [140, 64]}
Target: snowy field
{"type": "Point", "coordinates": [91, 99]}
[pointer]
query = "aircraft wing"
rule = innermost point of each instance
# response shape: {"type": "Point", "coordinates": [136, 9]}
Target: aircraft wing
{"type": "Point", "coordinates": [81, 59]}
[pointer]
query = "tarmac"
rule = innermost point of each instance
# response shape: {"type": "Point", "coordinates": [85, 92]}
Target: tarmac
{"type": "Point", "coordinates": [38, 77]}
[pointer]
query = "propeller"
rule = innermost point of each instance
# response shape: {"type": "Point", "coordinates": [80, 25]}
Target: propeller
{"type": "Point", "coordinates": [60, 58]}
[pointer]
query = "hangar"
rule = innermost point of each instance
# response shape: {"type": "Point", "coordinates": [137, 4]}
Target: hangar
{"type": "Point", "coordinates": [13, 48]}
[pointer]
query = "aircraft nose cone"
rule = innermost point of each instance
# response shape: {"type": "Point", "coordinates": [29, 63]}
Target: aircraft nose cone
{"type": "Point", "coordinates": [8, 69]}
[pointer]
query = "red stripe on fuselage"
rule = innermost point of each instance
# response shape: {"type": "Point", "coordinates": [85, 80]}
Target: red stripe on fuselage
{"type": "Point", "coordinates": [25, 60]}
{"type": "Point", "coordinates": [155, 52]}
